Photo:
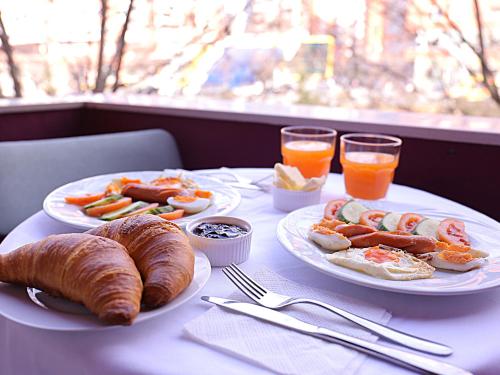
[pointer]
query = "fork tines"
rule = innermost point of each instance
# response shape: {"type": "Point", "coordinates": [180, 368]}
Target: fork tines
{"type": "Point", "coordinates": [243, 282]}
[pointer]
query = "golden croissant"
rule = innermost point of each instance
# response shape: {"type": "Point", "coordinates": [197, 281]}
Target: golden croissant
{"type": "Point", "coordinates": [87, 269]}
{"type": "Point", "coordinates": [160, 250]}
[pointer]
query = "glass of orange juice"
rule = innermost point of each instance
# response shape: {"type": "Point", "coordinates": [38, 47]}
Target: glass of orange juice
{"type": "Point", "coordinates": [310, 149]}
{"type": "Point", "coordinates": [368, 162]}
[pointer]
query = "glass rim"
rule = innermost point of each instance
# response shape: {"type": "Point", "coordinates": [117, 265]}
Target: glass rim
{"type": "Point", "coordinates": [392, 141]}
{"type": "Point", "coordinates": [288, 130]}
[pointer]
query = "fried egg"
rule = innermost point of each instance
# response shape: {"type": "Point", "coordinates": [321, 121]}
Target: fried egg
{"type": "Point", "coordinates": [455, 260]}
{"type": "Point", "coordinates": [384, 264]}
{"type": "Point", "coordinates": [328, 239]}
{"type": "Point", "coordinates": [190, 205]}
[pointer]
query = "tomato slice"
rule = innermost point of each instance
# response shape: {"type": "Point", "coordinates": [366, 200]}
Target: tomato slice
{"type": "Point", "coordinates": [372, 218]}
{"type": "Point", "coordinates": [452, 231]}
{"type": "Point", "coordinates": [409, 221]}
{"type": "Point", "coordinates": [332, 207]}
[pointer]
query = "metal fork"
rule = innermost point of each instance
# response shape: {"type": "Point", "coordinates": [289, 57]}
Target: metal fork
{"type": "Point", "coordinates": [276, 301]}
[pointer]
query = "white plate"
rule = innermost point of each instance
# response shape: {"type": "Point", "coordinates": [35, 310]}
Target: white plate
{"type": "Point", "coordinates": [292, 233]}
{"type": "Point", "coordinates": [226, 199]}
{"type": "Point", "coordinates": [16, 305]}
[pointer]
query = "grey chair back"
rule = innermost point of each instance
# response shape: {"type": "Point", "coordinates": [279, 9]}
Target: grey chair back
{"type": "Point", "coordinates": [29, 170]}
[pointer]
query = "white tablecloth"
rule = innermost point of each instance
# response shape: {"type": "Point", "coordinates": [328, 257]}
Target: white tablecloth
{"type": "Point", "coordinates": [470, 324]}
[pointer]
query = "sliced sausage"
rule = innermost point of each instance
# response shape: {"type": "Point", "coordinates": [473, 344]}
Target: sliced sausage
{"type": "Point", "coordinates": [149, 193]}
{"type": "Point", "coordinates": [350, 230]}
{"type": "Point", "coordinates": [413, 244]}
{"type": "Point", "coordinates": [422, 245]}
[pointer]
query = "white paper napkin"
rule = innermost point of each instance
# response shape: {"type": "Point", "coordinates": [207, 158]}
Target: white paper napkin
{"type": "Point", "coordinates": [282, 350]}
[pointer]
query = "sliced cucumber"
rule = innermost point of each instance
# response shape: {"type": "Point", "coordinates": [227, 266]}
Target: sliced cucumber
{"type": "Point", "coordinates": [390, 222]}
{"type": "Point", "coordinates": [101, 202]}
{"type": "Point", "coordinates": [427, 227]}
{"type": "Point", "coordinates": [351, 211]}
{"type": "Point", "coordinates": [123, 211]}
{"type": "Point", "coordinates": [161, 210]}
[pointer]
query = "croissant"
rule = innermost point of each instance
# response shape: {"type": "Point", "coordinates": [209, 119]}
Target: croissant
{"type": "Point", "coordinates": [160, 250]}
{"type": "Point", "coordinates": [87, 269]}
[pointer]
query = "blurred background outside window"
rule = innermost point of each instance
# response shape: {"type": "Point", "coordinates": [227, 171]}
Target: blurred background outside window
{"type": "Point", "coordinates": [435, 56]}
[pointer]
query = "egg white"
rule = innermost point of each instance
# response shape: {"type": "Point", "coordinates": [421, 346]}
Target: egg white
{"type": "Point", "coordinates": [407, 268]}
{"type": "Point", "coordinates": [193, 207]}
{"type": "Point", "coordinates": [438, 262]}
{"type": "Point", "coordinates": [332, 242]}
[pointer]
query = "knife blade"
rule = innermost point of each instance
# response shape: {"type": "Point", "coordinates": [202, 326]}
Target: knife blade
{"type": "Point", "coordinates": [240, 185]}
{"type": "Point", "coordinates": [402, 358]}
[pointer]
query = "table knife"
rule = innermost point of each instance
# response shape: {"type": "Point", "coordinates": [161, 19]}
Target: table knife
{"type": "Point", "coordinates": [400, 357]}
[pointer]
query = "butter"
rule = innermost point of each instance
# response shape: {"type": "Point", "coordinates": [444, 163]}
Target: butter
{"type": "Point", "coordinates": [290, 178]}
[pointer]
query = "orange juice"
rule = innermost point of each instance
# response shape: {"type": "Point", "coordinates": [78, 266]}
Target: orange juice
{"type": "Point", "coordinates": [368, 174]}
{"type": "Point", "coordinates": [313, 158]}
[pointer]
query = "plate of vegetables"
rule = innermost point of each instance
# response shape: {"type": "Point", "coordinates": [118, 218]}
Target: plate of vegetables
{"type": "Point", "coordinates": [174, 195]}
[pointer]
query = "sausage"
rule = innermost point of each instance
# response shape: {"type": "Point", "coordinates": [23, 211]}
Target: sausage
{"type": "Point", "coordinates": [412, 244]}
{"type": "Point", "coordinates": [350, 230]}
{"type": "Point", "coordinates": [149, 193]}
{"type": "Point", "coordinates": [378, 238]}
{"type": "Point", "coordinates": [422, 245]}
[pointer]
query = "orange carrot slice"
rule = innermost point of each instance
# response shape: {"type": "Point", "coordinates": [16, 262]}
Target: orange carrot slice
{"type": "Point", "coordinates": [84, 199]}
{"type": "Point", "coordinates": [101, 210]}
{"type": "Point", "coordinates": [177, 214]}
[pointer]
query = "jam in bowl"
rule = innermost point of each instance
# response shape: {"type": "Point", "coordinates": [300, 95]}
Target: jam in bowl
{"type": "Point", "coordinates": [223, 239]}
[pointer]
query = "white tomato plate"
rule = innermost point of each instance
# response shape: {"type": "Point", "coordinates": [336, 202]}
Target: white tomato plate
{"type": "Point", "coordinates": [225, 200]}
{"type": "Point", "coordinates": [293, 229]}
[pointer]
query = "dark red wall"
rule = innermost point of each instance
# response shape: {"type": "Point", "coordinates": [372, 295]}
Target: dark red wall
{"type": "Point", "coordinates": [466, 173]}
{"type": "Point", "coordinates": [40, 125]}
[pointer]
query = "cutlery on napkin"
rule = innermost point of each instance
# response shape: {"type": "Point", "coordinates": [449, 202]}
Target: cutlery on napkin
{"type": "Point", "coordinates": [281, 350]}
{"type": "Point", "coordinates": [400, 357]}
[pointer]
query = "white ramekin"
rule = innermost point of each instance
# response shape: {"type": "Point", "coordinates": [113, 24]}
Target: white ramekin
{"type": "Point", "coordinates": [289, 200]}
{"type": "Point", "coordinates": [222, 252]}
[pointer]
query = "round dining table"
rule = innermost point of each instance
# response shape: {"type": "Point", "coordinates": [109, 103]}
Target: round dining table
{"type": "Point", "coordinates": [470, 324]}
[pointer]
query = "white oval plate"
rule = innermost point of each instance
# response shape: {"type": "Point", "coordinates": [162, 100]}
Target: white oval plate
{"type": "Point", "coordinates": [226, 198]}
{"type": "Point", "coordinates": [292, 233]}
{"type": "Point", "coordinates": [16, 305]}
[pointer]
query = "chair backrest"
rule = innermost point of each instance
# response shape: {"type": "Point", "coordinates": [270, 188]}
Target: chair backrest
{"type": "Point", "coordinates": [29, 170]}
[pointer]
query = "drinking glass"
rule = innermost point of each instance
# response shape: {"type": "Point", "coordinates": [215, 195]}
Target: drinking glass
{"type": "Point", "coordinates": [368, 162]}
{"type": "Point", "coordinates": [310, 149]}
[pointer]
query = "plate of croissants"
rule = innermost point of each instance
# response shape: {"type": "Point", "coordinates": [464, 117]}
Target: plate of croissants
{"type": "Point", "coordinates": [123, 272]}
{"type": "Point", "coordinates": [176, 195]}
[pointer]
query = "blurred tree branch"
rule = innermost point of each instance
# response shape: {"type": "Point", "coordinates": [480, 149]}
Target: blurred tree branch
{"type": "Point", "coordinates": [100, 81]}
{"type": "Point", "coordinates": [486, 77]}
{"type": "Point", "coordinates": [117, 60]}
{"type": "Point", "coordinates": [201, 37]}
{"type": "Point", "coordinates": [13, 68]}
{"type": "Point", "coordinates": [114, 68]}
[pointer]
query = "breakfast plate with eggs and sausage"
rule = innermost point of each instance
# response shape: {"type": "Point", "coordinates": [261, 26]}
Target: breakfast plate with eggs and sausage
{"type": "Point", "coordinates": [174, 195]}
{"type": "Point", "coordinates": [391, 246]}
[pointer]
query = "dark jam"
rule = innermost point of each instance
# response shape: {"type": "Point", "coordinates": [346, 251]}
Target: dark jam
{"type": "Point", "coordinates": [219, 231]}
